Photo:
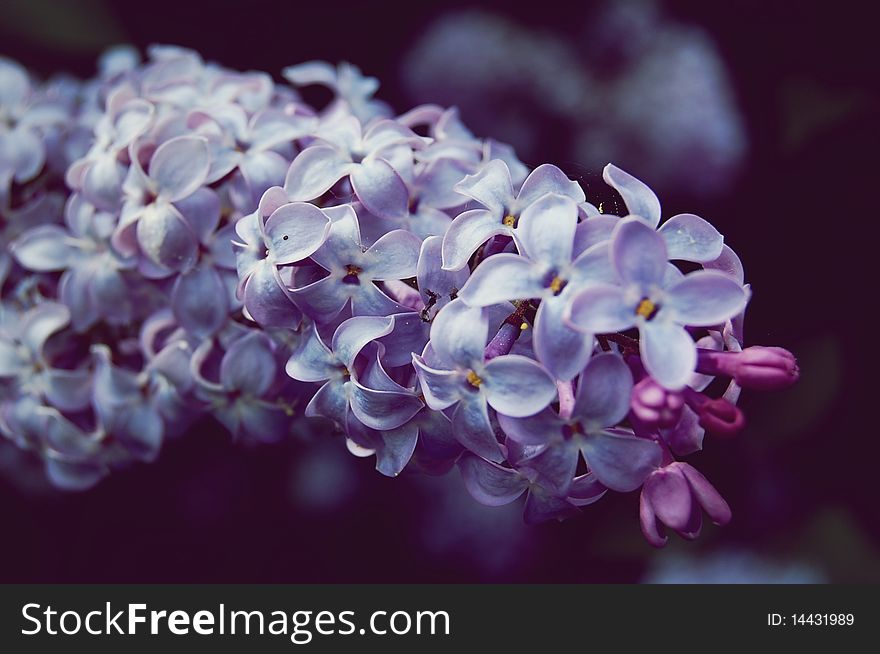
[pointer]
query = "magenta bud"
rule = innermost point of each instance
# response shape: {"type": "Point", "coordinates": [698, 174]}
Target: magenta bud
{"type": "Point", "coordinates": [766, 368]}
{"type": "Point", "coordinates": [716, 416]}
{"type": "Point", "coordinates": [758, 367]}
{"type": "Point", "coordinates": [656, 406]}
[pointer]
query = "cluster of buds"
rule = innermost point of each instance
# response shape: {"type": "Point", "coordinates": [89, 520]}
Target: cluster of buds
{"type": "Point", "coordinates": [181, 240]}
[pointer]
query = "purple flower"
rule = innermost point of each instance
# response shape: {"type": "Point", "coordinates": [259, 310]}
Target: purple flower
{"type": "Point", "coordinates": [544, 271]}
{"type": "Point", "coordinates": [619, 460]}
{"type": "Point", "coordinates": [153, 220]}
{"type": "Point", "coordinates": [660, 304]}
{"type": "Point", "coordinates": [453, 372]}
{"type": "Point", "coordinates": [24, 360]}
{"type": "Point", "coordinates": [494, 485]}
{"type": "Point", "coordinates": [492, 187]}
{"type": "Point", "coordinates": [366, 158]}
{"type": "Point", "coordinates": [238, 399]}
{"type": "Point", "coordinates": [675, 496]}
{"type": "Point", "coordinates": [342, 398]}
{"type": "Point", "coordinates": [353, 268]}
{"type": "Point", "coordinates": [93, 285]}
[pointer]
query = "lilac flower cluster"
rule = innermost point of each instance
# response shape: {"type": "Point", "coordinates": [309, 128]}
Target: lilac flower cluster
{"type": "Point", "coordinates": [184, 240]}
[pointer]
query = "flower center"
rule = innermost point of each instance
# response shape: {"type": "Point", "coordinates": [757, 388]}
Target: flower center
{"type": "Point", "coordinates": [351, 274]}
{"type": "Point", "coordinates": [556, 285]}
{"type": "Point", "coordinates": [509, 220]}
{"type": "Point", "coordinates": [646, 308]}
{"type": "Point", "coordinates": [474, 379]}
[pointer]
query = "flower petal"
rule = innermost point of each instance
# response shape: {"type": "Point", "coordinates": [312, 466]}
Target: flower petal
{"type": "Point", "coordinates": [165, 237]}
{"type": "Point", "coordinates": [518, 386]}
{"type": "Point", "coordinates": [473, 429]}
{"type": "Point", "coordinates": [198, 300]}
{"type": "Point", "coordinates": [295, 231]}
{"type": "Point", "coordinates": [563, 350]}
{"type": "Point", "coordinates": [638, 253]}
{"type": "Point", "coordinates": [179, 166]}
{"type": "Point", "coordinates": [500, 278]}
{"type": "Point", "coordinates": [45, 248]}
{"type": "Point", "coordinates": [603, 393]}
{"type": "Point", "coordinates": [249, 365]}
{"type": "Point", "coordinates": [691, 238]}
{"type": "Point", "coordinates": [383, 410]}
{"type": "Point", "coordinates": [704, 298]}
{"type": "Point", "coordinates": [459, 333]}
{"type": "Point", "coordinates": [441, 388]}
{"type": "Point", "coordinates": [640, 200]}
{"type": "Point", "coordinates": [394, 256]}
{"type": "Point", "coordinates": [489, 483]}
{"type": "Point", "coordinates": [314, 171]}
{"type": "Point", "coordinates": [538, 429]}
{"type": "Point", "coordinates": [467, 232]}
{"type": "Point", "coordinates": [380, 188]}
{"type": "Point", "coordinates": [668, 352]}
{"type": "Point", "coordinates": [355, 333]}
{"type": "Point", "coordinates": [545, 179]}
{"type": "Point", "coordinates": [600, 309]}
{"type": "Point", "coordinates": [491, 186]}
{"type": "Point", "coordinates": [546, 229]}
{"type": "Point", "coordinates": [621, 462]}
{"type": "Point", "coordinates": [397, 449]}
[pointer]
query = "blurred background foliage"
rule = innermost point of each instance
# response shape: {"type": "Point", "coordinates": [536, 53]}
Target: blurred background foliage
{"type": "Point", "coordinates": [758, 115]}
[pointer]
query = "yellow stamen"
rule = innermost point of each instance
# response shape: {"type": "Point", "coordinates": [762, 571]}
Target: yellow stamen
{"type": "Point", "coordinates": [351, 269]}
{"type": "Point", "coordinates": [646, 308]}
{"type": "Point", "coordinates": [557, 284]}
{"type": "Point", "coordinates": [601, 207]}
{"type": "Point", "coordinates": [509, 221]}
{"type": "Point", "coordinates": [473, 379]}
{"type": "Point", "coordinates": [524, 326]}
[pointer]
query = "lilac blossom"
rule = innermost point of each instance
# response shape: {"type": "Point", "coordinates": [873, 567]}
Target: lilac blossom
{"type": "Point", "coordinates": [183, 240]}
{"type": "Point", "coordinates": [453, 372]}
{"type": "Point", "coordinates": [492, 187]}
{"type": "Point", "coordinates": [659, 304]}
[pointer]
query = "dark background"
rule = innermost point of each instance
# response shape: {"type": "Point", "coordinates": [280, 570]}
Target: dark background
{"type": "Point", "coordinates": [802, 215]}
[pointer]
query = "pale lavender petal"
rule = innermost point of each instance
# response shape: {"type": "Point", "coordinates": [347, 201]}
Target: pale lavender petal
{"type": "Point", "coordinates": [201, 209]}
{"type": "Point", "coordinates": [600, 309]}
{"type": "Point", "coordinates": [467, 232]}
{"type": "Point", "coordinates": [604, 391]}
{"type": "Point", "coordinates": [539, 429]}
{"type": "Point", "coordinates": [312, 361]}
{"type": "Point", "coordinates": [266, 301]}
{"type": "Point", "coordinates": [368, 300]}
{"type": "Point", "coordinates": [728, 262]}
{"type": "Point", "coordinates": [546, 229]}
{"type": "Point", "coordinates": [503, 277]}
{"type": "Point", "coordinates": [68, 390]}
{"type": "Point", "coordinates": [410, 335]}
{"type": "Point", "coordinates": [314, 171]}
{"type": "Point", "coordinates": [295, 231]}
{"type": "Point", "coordinates": [180, 166]}
{"type": "Point", "coordinates": [45, 248]}
{"type": "Point", "coordinates": [198, 300]}
{"type": "Point", "coordinates": [437, 286]}
{"type": "Point", "coordinates": [322, 300]}
{"type": "Point", "coordinates": [593, 230]}
{"type": "Point", "coordinates": [383, 410]}
{"type": "Point", "coordinates": [441, 388]}
{"type": "Point", "coordinates": [640, 200]}
{"type": "Point", "coordinates": [489, 483]}
{"type": "Point", "coordinates": [38, 324]}
{"type": "Point", "coordinates": [555, 466]}
{"type": "Point", "coordinates": [166, 238]}
{"type": "Point", "coordinates": [249, 365]}
{"type": "Point", "coordinates": [691, 238]}
{"type": "Point", "coordinates": [397, 449]}
{"type": "Point", "coordinates": [669, 494]}
{"type": "Point", "coordinates": [380, 188]}
{"type": "Point", "coordinates": [638, 253]}
{"type": "Point", "coordinates": [704, 298]}
{"type": "Point", "coordinates": [491, 186]}
{"type": "Point", "coordinates": [330, 401]}
{"type": "Point", "coordinates": [459, 333]}
{"type": "Point", "coordinates": [354, 334]}
{"type": "Point", "coordinates": [518, 386]}
{"type": "Point", "coordinates": [621, 462]}
{"type": "Point", "coordinates": [668, 352]}
{"type": "Point", "coordinates": [563, 350]}
{"type": "Point", "coordinates": [473, 429]}
{"type": "Point", "coordinates": [394, 256]}
{"type": "Point", "coordinates": [547, 178]}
